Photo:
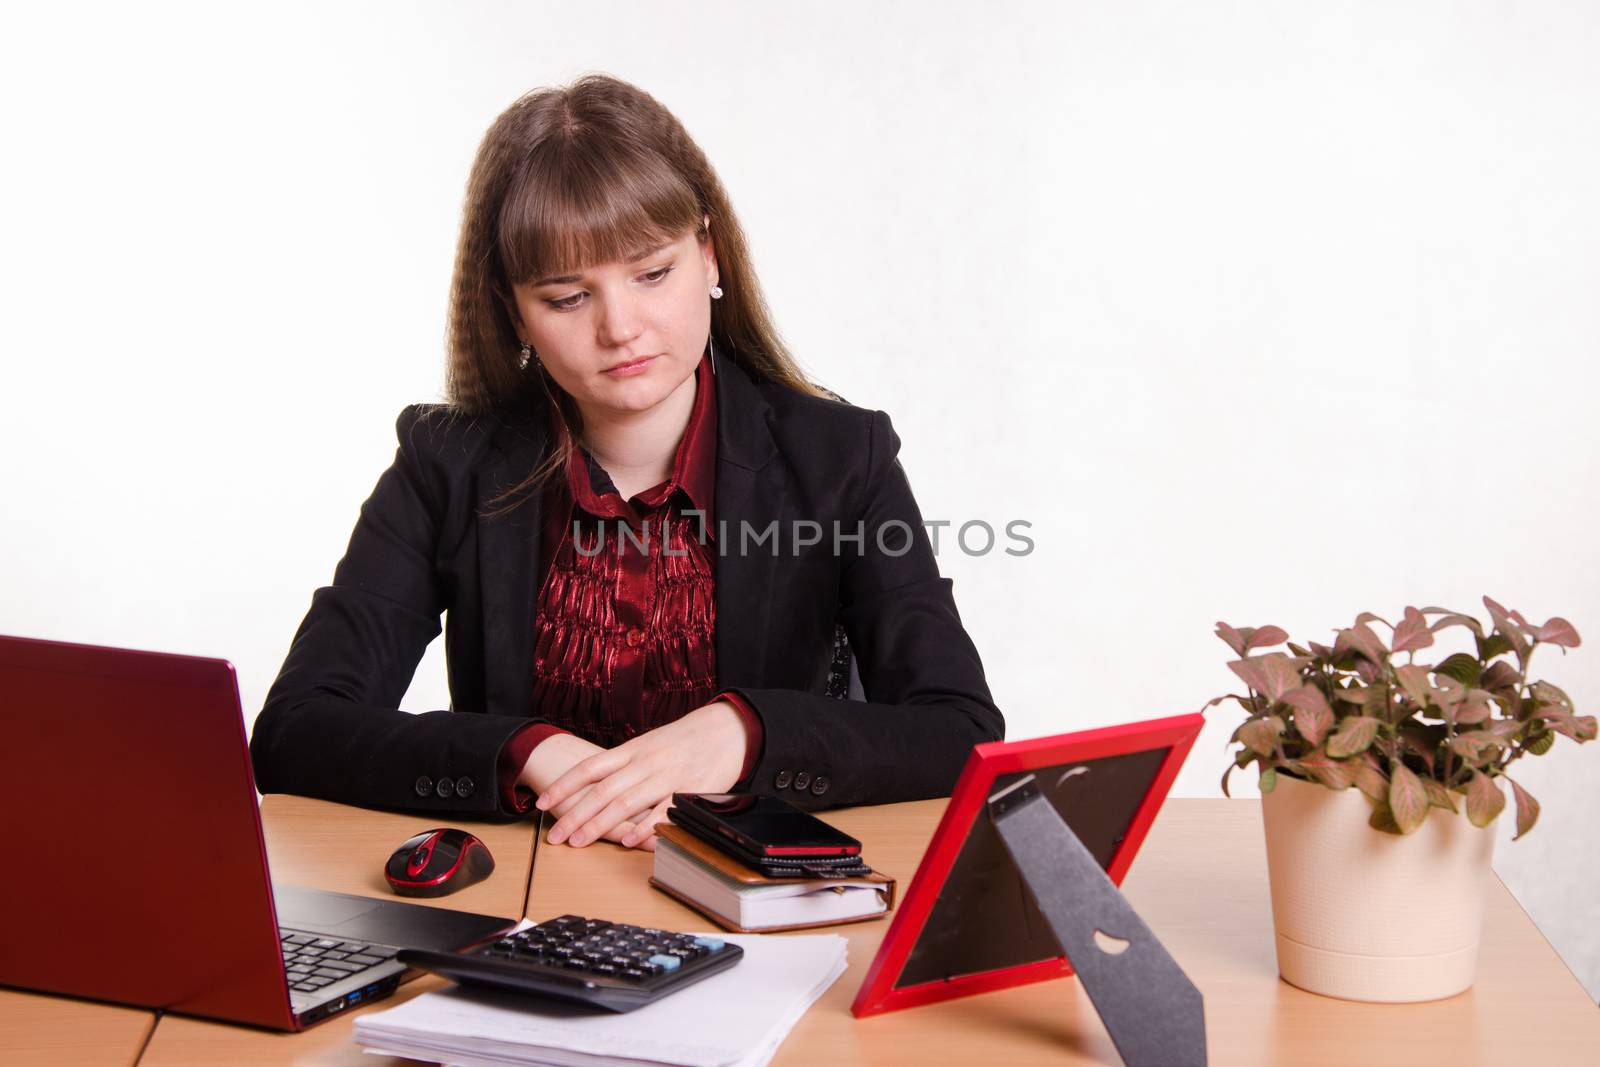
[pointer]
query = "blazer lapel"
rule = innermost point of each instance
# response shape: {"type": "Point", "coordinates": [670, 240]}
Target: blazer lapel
{"type": "Point", "coordinates": [745, 498]}
{"type": "Point", "coordinates": [508, 553]}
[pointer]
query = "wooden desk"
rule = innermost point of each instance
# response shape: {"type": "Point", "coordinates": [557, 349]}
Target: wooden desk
{"type": "Point", "coordinates": [1200, 882]}
{"type": "Point", "coordinates": [44, 1031]}
{"type": "Point", "coordinates": [331, 846]}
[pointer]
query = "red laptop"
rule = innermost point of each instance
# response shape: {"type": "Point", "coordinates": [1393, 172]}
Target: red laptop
{"type": "Point", "coordinates": [135, 870]}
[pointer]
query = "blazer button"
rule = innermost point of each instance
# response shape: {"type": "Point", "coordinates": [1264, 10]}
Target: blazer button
{"type": "Point", "coordinates": [802, 780]}
{"type": "Point", "coordinates": [819, 786]}
{"type": "Point", "coordinates": [465, 787]}
{"type": "Point", "coordinates": [444, 787]}
{"type": "Point", "coordinates": [424, 786]}
{"type": "Point", "coordinates": [782, 780]}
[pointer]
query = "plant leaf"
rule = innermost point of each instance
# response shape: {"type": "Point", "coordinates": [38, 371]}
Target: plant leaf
{"type": "Point", "coordinates": [1438, 795]}
{"type": "Point", "coordinates": [1263, 637]}
{"type": "Point", "coordinates": [1269, 778]}
{"type": "Point", "coordinates": [1557, 631]}
{"type": "Point", "coordinates": [1261, 734]}
{"type": "Point", "coordinates": [1313, 716]}
{"type": "Point", "coordinates": [1233, 637]}
{"type": "Point", "coordinates": [1454, 618]}
{"type": "Point", "coordinates": [1474, 707]}
{"type": "Point", "coordinates": [1499, 675]}
{"type": "Point", "coordinates": [1545, 693]}
{"type": "Point", "coordinates": [1448, 695]}
{"type": "Point", "coordinates": [1423, 738]}
{"type": "Point", "coordinates": [1332, 773]}
{"type": "Point", "coordinates": [1360, 638]}
{"type": "Point", "coordinates": [1243, 702]}
{"type": "Point", "coordinates": [1578, 727]}
{"type": "Point", "coordinates": [1414, 682]}
{"type": "Point", "coordinates": [1473, 746]}
{"type": "Point", "coordinates": [1354, 735]}
{"type": "Point", "coordinates": [1527, 808]}
{"type": "Point", "coordinates": [1412, 633]}
{"type": "Point", "coordinates": [1502, 729]}
{"type": "Point", "coordinates": [1506, 626]}
{"type": "Point", "coordinates": [1560, 720]}
{"type": "Point", "coordinates": [1370, 780]}
{"type": "Point", "coordinates": [1494, 645]}
{"type": "Point", "coordinates": [1539, 744]}
{"type": "Point", "coordinates": [1382, 818]}
{"type": "Point", "coordinates": [1484, 799]}
{"type": "Point", "coordinates": [1408, 800]}
{"type": "Point", "coordinates": [1462, 667]}
{"type": "Point", "coordinates": [1362, 696]}
{"type": "Point", "coordinates": [1272, 674]}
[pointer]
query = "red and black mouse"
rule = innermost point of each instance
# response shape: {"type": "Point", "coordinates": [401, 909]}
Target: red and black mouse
{"type": "Point", "coordinates": [437, 862]}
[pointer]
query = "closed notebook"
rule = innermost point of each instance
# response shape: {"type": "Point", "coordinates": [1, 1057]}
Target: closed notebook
{"type": "Point", "coordinates": [738, 898]}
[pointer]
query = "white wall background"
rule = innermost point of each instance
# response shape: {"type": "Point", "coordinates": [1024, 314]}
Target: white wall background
{"type": "Point", "coordinates": [1258, 312]}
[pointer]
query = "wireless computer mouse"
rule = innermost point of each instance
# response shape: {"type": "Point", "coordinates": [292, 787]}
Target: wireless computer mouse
{"type": "Point", "coordinates": [437, 862]}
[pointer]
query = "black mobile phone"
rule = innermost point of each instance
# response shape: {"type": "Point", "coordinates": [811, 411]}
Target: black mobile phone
{"type": "Point", "coordinates": [764, 827]}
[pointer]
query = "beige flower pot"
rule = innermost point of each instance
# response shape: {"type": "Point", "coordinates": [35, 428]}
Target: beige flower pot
{"type": "Point", "coordinates": [1365, 915]}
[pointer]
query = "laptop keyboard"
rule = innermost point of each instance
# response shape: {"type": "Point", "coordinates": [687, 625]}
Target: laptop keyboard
{"type": "Point", "coordinates": [313, 961]}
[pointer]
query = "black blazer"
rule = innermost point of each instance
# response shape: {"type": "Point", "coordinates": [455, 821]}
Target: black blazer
{"type": "Point", "coordinates": [330, 727]}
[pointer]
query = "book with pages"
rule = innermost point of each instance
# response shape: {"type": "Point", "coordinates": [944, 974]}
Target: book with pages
{"type": "Point", "coordinates": [738, 898]}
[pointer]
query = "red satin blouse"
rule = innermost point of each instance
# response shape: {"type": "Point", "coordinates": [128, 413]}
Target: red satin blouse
{"type": "Point", "coordinates": [625, 631]}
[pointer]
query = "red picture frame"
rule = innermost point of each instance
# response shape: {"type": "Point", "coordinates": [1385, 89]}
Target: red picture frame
{"type": "Point", "coordinates": [1174, 736]}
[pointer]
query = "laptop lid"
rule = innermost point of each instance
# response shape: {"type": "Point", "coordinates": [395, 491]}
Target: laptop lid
{"type": "Point", "coordinates": [136, 870]}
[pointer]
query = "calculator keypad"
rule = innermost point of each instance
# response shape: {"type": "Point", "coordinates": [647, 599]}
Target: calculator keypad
{"type": "Point", "coordinates": [597, 947]}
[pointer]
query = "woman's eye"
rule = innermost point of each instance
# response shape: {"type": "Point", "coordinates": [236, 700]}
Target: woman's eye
{"type": "Point", "coordinates": [567, 303]}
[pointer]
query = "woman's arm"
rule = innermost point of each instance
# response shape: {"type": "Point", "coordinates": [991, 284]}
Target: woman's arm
{"type": "Point", "coordinates": [928, 702]}
{"type": "Point", "coordinates": [331, 727]}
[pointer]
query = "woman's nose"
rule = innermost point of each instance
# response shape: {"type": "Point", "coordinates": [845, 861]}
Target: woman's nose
{"type": "Point", "coordinates": [620, 319]}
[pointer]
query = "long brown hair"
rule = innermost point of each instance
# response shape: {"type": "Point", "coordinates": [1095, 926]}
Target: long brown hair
{"type": "Point", "coordinates": [567, 177]}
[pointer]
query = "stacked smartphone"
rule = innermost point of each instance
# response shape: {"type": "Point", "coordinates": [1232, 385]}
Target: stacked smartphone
{"type": "Point", "coordinates": [769, 835]}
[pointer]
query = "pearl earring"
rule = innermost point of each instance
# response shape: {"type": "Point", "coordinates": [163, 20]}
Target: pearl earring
{"type": "Point", "coordinates": [716, 292]}
{"type": "Point", "coordinates": [527, 353]}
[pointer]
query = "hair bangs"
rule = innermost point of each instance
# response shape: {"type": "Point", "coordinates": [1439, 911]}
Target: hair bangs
{"type": "Point", "coordinates": [575, 209]}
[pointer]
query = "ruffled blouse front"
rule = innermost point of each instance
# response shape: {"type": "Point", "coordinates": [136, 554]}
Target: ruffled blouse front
{"type": "Point", "coordinates": [625, 629]}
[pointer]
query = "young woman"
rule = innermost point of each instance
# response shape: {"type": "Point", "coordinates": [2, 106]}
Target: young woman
{"type": "Point", "coordinates": [643, 524]}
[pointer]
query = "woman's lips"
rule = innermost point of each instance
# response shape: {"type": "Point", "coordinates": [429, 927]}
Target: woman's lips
{"type": "Point", "coordinates": [636, 367]}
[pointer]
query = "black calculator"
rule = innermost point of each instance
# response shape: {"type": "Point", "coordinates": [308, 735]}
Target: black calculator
{"type": "Point", "coordinates": [609, 965]}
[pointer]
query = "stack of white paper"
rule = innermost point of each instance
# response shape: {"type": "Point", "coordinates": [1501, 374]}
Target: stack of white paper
{"type": "Point", "coordinates": [736, 1018]}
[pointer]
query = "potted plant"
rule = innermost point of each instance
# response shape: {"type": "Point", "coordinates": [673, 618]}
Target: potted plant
{"type": "Point", "coordinates": [1380, 784]}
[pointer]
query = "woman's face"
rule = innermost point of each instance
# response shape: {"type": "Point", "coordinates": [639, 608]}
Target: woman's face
{"type": "Point", "coordinates": [587, 326]}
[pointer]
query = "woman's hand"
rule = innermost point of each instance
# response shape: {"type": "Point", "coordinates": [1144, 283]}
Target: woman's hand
{"type": "Point", "coordinates": [702, 752]}
{"type": "Point", "coordinates": [552, 758]}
